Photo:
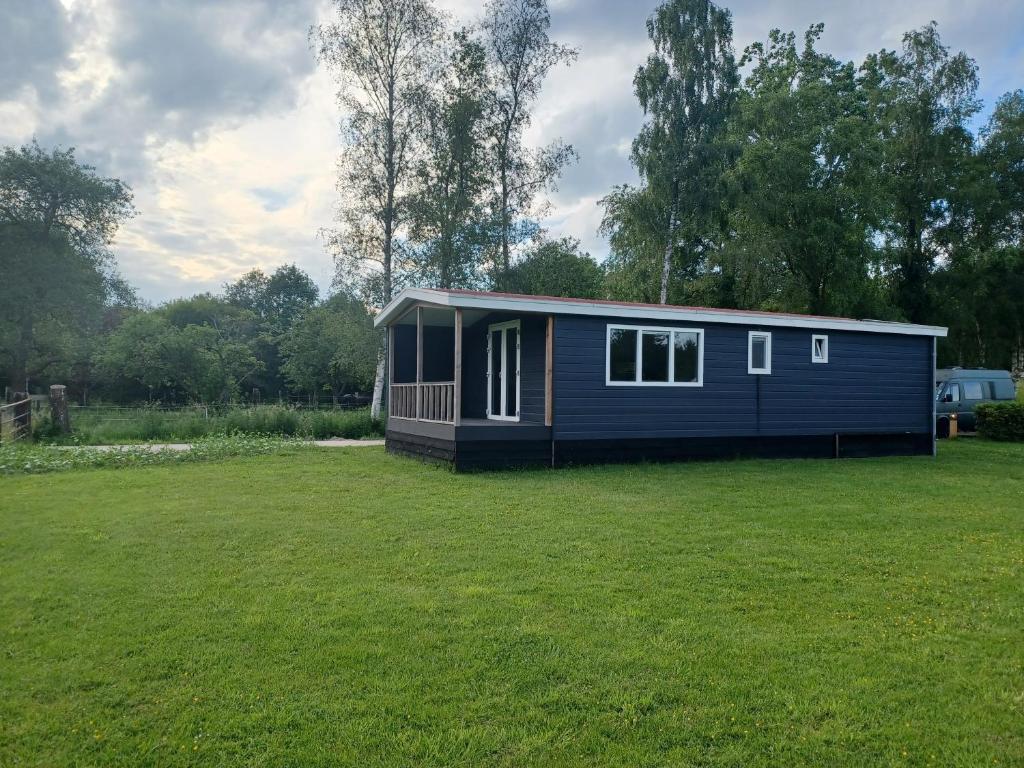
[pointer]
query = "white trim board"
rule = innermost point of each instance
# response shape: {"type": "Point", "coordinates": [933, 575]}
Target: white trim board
{"type": "Point", "coordinates": [497, 302]}
{"type": "Point", "coordinates": [503, 329]}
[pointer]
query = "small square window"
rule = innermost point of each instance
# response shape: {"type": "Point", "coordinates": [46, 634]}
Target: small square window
{"type": "Point", "coordinates": [819, 349]}
{"type": "Point", "coordinates": [759, 352]}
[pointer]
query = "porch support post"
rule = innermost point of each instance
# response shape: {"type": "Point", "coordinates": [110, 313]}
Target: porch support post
{"type": "Point", "coordinates": [457, 398]}
{"type": "Point", "coordinates": [419, 360]}
{"type": "Point", "coordinates": [391, 368]}
{"type": "Point", "coordinates": [549, 365]}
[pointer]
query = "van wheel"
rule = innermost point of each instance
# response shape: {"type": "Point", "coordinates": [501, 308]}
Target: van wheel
{"type": "Point", "coordinates": [942, 428]}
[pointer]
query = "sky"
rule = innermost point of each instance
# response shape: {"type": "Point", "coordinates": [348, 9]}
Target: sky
{"type": "Point", "coordinates": [217, 116]}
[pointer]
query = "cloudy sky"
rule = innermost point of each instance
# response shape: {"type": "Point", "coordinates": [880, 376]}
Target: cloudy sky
{"type": "Point", "coordinates": [216, 114]}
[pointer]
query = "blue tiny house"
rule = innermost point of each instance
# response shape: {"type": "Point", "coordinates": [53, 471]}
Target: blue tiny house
{"type": "Point", "coordinates": [486, 380]}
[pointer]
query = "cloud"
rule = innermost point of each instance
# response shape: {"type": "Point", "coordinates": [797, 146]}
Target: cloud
{"type": "Point", "coordinates": [35, 41]}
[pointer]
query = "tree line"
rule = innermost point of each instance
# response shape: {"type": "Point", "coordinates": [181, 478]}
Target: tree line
{"type": "Point", "coordinates": [781, 179]}
{"type": "Point", "coordinates": [67, 316]}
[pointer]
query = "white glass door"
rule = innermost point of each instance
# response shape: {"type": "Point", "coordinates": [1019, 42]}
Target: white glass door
{"type": "Point", "coordinates": [503, 371]}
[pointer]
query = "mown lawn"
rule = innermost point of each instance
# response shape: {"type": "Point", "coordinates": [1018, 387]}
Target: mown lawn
{"type": "Point", "coordinates": [349, 608]}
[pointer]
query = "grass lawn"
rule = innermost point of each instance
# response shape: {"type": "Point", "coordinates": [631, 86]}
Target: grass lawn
{"type": "Point", "coordinates": [346, 607]}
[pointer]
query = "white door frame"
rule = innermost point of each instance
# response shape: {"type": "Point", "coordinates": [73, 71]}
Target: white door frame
{"type": "Point", "coordinates": [503, 405]}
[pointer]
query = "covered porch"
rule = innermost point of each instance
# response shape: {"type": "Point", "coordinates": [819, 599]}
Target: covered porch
{"type": "Point", "coordinates": [457, 373]}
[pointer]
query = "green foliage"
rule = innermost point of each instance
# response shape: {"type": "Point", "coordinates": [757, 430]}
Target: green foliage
{"type": "Point", "coordinates": [1001, 421]}
{"type": "Point", "coordinates": [200, 349]}
{"type": "Point", "coordinates": [383, 55]}
{"type": "Point", "coordinates": [348, 607]}
{"type": "Point", "coordinates": [520, 55]}
{"type": "Point", "coordinates": [57, 217]}
{"type": "Point", "coordinates": [449, 220]}
{"type": "Point", "coordinates": [921, 99]}
{"type": "Point", "coordinates": [686, 90]}
{"type": "Point", "coordinates": [333, 348]}
{"type": "Point", "coordinates": [24, 458]}
{"type": "Point", "coordinates": [557, 268]}
{"type": "Point", "coordinates": [98, 426]}
{"type": "Point", "coordinates": [277, 301]}
{"type": "Point", "coordinates": [804, 182]}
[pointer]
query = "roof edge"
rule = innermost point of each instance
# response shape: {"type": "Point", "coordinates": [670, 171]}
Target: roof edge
{"type": "Point", "coordinates": [409, 297]}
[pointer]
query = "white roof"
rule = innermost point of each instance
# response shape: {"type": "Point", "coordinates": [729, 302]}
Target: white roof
{"type": "Point", "coordinates": [551, 305]}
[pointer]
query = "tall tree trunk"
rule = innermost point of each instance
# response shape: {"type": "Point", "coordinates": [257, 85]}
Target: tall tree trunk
{"type": "Point", "coordinates": [389, 233]}
{"type": "Point", "coordinates": [506, 224]}
{"type": "Point", "coordinates": [666, 263]}
{"type": "Point", "coordinates": [378, 380]}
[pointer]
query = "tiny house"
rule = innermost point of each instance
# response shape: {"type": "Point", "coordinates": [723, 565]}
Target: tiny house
{"type": "Point", "coordinates": [485, 380]}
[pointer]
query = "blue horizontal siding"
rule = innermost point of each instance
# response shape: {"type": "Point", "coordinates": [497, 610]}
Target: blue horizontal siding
{"type": "Point", "coordinates": [872, 383]}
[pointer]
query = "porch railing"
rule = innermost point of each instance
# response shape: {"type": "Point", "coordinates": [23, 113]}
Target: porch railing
{"type": "Point", "coordinates": [426, 401]}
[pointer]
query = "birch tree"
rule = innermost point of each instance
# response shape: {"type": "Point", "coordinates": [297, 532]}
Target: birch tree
{"type": "Point", "coordinates": [521, 55]}
{"type": "Point", "coordinates": [382, 54]}
{"type": "Point", "coordinates": [449, 221]}
{"type": "Point", "coordinates": [686, 89]}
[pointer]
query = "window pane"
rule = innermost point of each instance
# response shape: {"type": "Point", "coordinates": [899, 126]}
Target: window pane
{"type": "Point", "coordinates": [954, 391]}
{"type": "Point", "coordinates": [758, 352]}
{"type": "Point", "coordinates": [972, 390]}
{"type": "Point", "coordinates": [687, 347]}
{"type": "Point", "coordinates": [623, 355]}
{"type": "Point", "coordinates": [510, 371]}
{"type": "Point", "coordinates": [495, 373]}
{"type": "Point", "coordinates": [1003, 389]}
{"type": "Point", "coordinates": [819, 349]}
{"type": "Point", "coordinates": [655, 357]}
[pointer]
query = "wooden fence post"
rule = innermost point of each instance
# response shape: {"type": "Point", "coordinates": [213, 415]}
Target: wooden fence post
{"type": "Point", "coordinates": [59, 408]}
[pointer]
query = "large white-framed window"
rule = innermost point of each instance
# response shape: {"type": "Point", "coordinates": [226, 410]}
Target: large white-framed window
{"type": "Point", "coordinates": [759, 352]}
{"type": "Point", "coordinates": [503, 356]}
{"type": "Point", "coordinates": [819, 348]}
{"type": "Point", "coordinates": [648, 356]}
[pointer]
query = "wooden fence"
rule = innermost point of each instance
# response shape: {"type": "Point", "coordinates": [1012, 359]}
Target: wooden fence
{"type": "Point", "coordinates": [16, 421]}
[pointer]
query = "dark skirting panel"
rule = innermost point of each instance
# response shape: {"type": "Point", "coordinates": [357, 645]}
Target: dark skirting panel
{"type": "Point", "coordinates": [433, 449]}
{"type": "Point", "coordinates": [569, 452]}
{"type": "Point", "coordinates": [505, 454]}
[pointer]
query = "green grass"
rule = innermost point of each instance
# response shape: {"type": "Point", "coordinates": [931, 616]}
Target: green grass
{"type": "Point", "coordinates": [111, 426]}
{"type": "Point", "coordinates": [350, 608]}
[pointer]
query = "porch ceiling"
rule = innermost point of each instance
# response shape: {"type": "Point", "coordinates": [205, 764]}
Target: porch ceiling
{"type": "Point", "coordinates": [441, 316]}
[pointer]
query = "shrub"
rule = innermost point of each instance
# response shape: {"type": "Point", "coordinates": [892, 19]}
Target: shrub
{"type": "Point", "coordinates": [1001, 421]}
{"type": "Point", "coordinates": [132, 425]}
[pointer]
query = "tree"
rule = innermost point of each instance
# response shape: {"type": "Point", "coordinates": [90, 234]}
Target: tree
{"type": "Point", "coordinates": [686, 90]}
{"type": "Point", "coordinates": [1002, 165]}
{"type": "Point", "coordinates": [382, 54]}
{"type": "Point", "coordinates": [57, 219]}
{"type": "Point", "coordinates": [981, 278]}
{"type": "Point", "coordinates": [277, 301]}
{"type": "Point", "coordinates": [225, 338]}
{"type": "Point", "coordinates": [633, 225]}
{"type": "Point", "coordinates": [448, 216]}
{"type": "Point", "coordinates": [557, 268]}
{"type": "Point", "coordinates": [921, 99]}
{"type": "Point", "coordinates": [520, 55]}
{"type": "Point", "coordinates": [332, 347]}
{"type": "Point", "coordinates": [805, 182]}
